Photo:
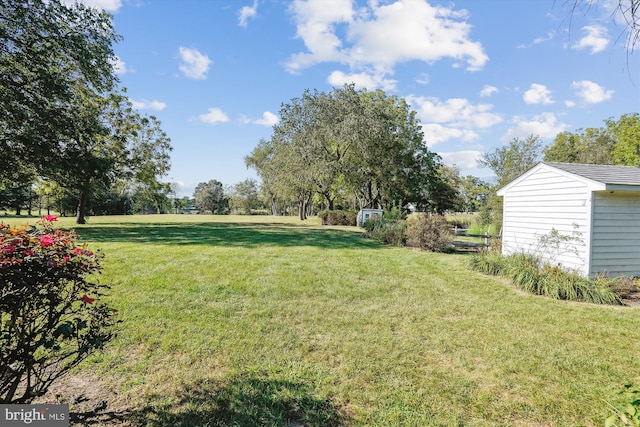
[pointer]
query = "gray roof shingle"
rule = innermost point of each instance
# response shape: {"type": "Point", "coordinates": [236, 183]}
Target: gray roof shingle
{"type": "Point", "coordinates": [606, 174]}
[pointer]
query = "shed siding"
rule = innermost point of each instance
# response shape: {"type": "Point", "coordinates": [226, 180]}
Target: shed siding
{"type": "Point", "coordinates": [616, 234]}
{"type": "Point", "coordinates": [548, 200]}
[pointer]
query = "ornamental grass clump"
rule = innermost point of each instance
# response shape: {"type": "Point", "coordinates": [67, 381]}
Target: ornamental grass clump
{"type": "Point", "coordinates": [50, 314]}
{"type": "Point", "coordinates": [528, 272]}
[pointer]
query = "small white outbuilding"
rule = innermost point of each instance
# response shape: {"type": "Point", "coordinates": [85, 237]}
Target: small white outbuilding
{"type": "Point", "coordinates": [365, 215]}
{"type": "Point", "coordinates": [584, 217]}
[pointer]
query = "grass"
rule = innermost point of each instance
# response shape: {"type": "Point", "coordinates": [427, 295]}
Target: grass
{"type": "Point", "coordinates": [271, 321]}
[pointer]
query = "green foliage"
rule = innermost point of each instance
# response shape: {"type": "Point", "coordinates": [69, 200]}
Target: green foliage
{"type": "Point", "coordinates": [626, 132]}
{"type": "Point", "coordinates": [49, 319]}
{"type": "Point", "coordinates": [244, 197]}
{"type": "Point", "coordinates": [394, 213]}
{"type": "Point", "coordinates": [338, 217]}
{"type": "Point", "coordinates": [429, 232]}
{"type": "Point", "coordinates": [629, 413]}
{"type": "Point", "coordinates": [511, 161]}
{"type": "Point", "coordinates": [48, 50]}
{"type": "Point", "coordinates": [618, 143]}
{"type": "Point", "coordinates": [210, 197]}
{"type": "Point", "coordinates": [386, 232]}
{"type": "Point", "coordinates": [61, 113]}
{"type": "Point", "coordinates": [350, 147]}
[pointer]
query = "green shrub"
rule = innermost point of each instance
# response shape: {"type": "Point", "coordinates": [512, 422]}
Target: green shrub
{"type": "Point", "coordinates": [429, 232]}
{"type": "Point", "coordinates": [386, 232]}
{"type": "Point", "coordinates": [628, 414]}
{"type": "Point", "coordinates": [338, 217]}
{"type": "Point", "coordinates": [49, 317]}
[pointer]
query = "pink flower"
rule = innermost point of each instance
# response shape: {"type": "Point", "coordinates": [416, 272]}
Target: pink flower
{"type": "Point", "coordinates": [46, 240]}
{"type": "Point", "coordinates": [8, 249]}
{"type": "Point", "coordinates": [50, 218]}
{"type": "Point", "coordinates": [86, 299]}
{"type": "Point", "coordinates": [67, 258]}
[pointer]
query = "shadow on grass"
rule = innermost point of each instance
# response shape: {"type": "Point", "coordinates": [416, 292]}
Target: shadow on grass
{"type": "Point", "coordinates": [225, 234]}
{"type": "Point", "coordinates": [244, 401]}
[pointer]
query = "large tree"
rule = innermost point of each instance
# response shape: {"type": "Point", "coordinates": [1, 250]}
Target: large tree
{"type": "Point", "coordinates": [60, 112]}
{"type": "Point", "coordinates": [210, 197]}
{"type": "Point", "coordinates": [47, 50]}
{"type": "Point", "coordinates": [347, 143]}
{"type": "Point", "coordinates": [511, 161]}
{"type": "Point", "coordinates": [111, 142]}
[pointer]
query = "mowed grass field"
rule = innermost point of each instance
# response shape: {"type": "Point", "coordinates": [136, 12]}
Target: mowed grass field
{"type": "Point", "coordinates": [243, 321]}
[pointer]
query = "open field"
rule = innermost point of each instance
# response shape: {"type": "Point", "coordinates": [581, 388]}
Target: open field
{"type": "Point", "coordinates": [270, 321]}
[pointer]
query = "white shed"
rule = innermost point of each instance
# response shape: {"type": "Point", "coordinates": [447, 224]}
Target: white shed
{"type": "Point", "coordinates": [595, 207]}
{"type": "Point", "coordinates": [366, 214]}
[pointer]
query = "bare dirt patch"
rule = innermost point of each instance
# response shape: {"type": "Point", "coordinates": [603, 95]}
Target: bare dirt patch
{"type": "Point", "coordinates": [91, 401]}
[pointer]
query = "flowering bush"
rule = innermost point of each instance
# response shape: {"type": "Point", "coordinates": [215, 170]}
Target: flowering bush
{"type": "Point", "coordinates": [49, 317]}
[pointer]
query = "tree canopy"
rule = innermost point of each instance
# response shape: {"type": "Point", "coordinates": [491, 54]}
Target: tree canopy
{"type": "Point", "coordinates": [513, 160]}
{"type": "Point", "coordinates": [351, 147]}
{"type": "Point", "coordinates": [60, 111]}
{"type": "Point", "coordinates": [617, 143]}
{"type": "Point", "coordinates": [209, 197]}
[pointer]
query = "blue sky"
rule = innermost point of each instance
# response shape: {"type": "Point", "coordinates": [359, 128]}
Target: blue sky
{"type": "Point", "coordinates": [478, 72]}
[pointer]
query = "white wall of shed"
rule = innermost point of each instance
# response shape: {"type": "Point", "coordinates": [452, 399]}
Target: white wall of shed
{"type": "Point", "coordinates": [548, 200]}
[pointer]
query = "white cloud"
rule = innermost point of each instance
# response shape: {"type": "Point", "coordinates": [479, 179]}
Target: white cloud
{"type": "Point", "coordinates": [458, 112]}
{"type": "Point", "coordinates": [590, 92]}
{"type": "Point", "coordinates": [380, 36]}
{"type": "Point", "coordinates": [213, 116]}
{"type": "Point", "coordinates": [362, 80]}
{"type": "Point", "coordinates": [538, 94]}
{"type": "Point", "coordinates": [194, 64]}
{"type": "Point", "coordinates": [108, 5]}
{"type": "Point", "coordinates": [545, 125]}
{"type": "Point", "coordinates": [462, 159]}
{"type": "Point", "coordinates": [247, 12]}
{"type": "Point", "coordinates": [268, 119]}
{"type": "Point", "coordinates": [435, 133]}
{"type": "Point", "coordinates": [597, 39]}
{"type": "Point", "coordinates": [119, 66]}
{"type": "Point", "coordinates": [488, 90]}
{"type": "Point", "coordinates": [455, 118]}
{"type": "Point", "coordinates": [423, 79]}
{"type": "Point", "coordinates": [148, 105]}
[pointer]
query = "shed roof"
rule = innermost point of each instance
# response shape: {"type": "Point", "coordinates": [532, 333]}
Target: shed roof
{"type": "Point", "coordinates": [597, 177]}
{"type": "Point", "coordinates": [606, 174]}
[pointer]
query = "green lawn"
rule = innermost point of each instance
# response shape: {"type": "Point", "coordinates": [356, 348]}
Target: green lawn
{"type": "Point", "coordinates": [270, 321]}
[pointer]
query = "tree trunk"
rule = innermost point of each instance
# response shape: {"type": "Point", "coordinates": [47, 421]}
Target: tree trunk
{"type": "Point", "coordinates": [329, 201]}
{"type": "Point", "coordinates": [82, 206]}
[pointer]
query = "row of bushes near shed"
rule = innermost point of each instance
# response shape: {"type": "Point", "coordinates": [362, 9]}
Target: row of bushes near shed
{"type": "Point", "coordinates": [338, 217]}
